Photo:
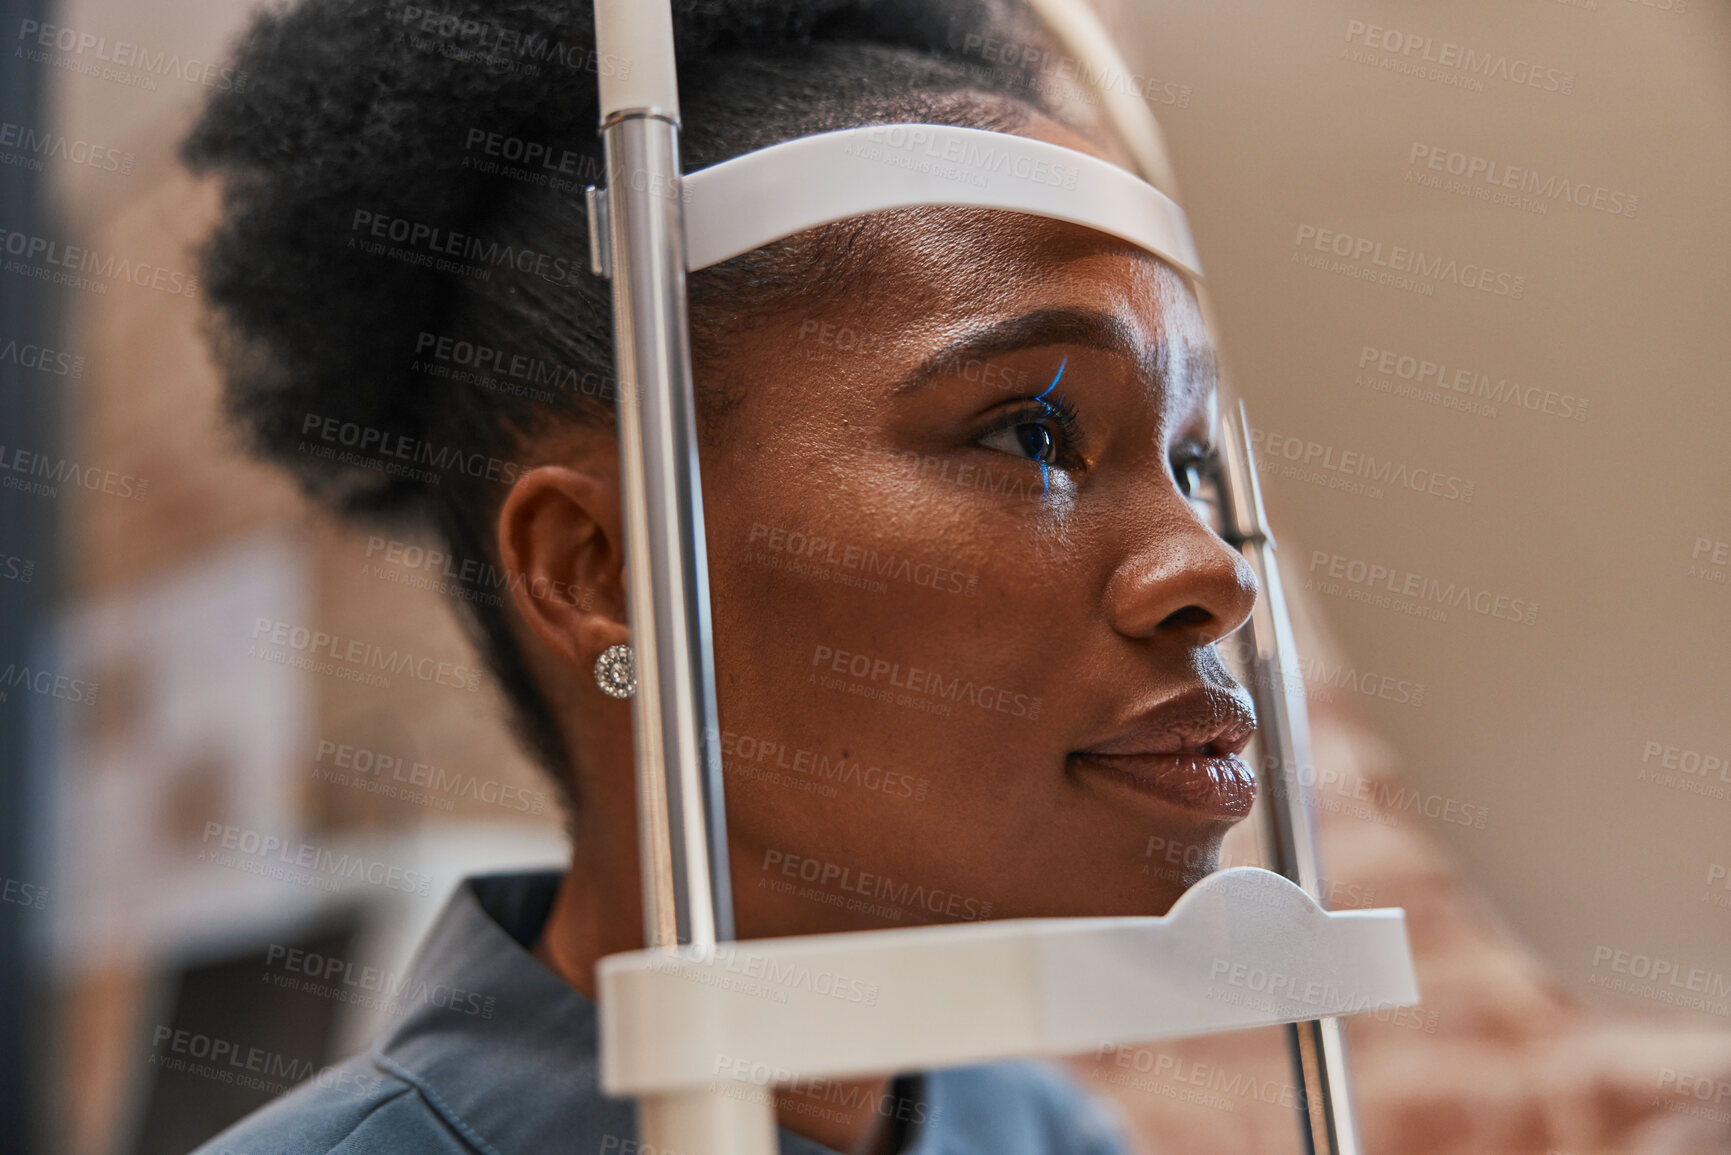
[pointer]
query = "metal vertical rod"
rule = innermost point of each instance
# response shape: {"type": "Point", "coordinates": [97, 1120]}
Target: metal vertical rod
{"type": "Point", "coordinates": [687, 897]}
{"type": "Point", "coordinates": [1283, 741]}
{"type": "Point", "coordinates": [682, 823]}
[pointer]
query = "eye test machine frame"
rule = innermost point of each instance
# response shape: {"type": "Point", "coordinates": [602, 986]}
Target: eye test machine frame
{"type": "Point", "coordinates": [684, 1024]}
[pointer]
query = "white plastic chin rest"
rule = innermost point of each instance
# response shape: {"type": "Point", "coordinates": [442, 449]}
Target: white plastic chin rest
{"type": "Point", "coordinates": [1242, 948]}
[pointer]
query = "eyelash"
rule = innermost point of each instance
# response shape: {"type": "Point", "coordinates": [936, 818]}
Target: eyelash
{"type": "Point", "coordinates": [1186, 462]}
{"type": "Point", "coordinates": [1060, 414]}
{"type": "Point", "coordinates": [1188, 455]}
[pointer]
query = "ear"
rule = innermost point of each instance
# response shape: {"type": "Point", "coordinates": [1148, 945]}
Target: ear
{"type": "Point", "coordinates": [560, 541]}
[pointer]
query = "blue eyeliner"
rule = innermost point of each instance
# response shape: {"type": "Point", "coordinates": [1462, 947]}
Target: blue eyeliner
{"type": "Point", "coordinates": [1055, 380]}
{"type": "Point", "coordinates": [1045, 470]}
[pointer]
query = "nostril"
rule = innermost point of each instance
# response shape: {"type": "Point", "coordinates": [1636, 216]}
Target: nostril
{"type": "Point", "coordinates": [1191, 615]}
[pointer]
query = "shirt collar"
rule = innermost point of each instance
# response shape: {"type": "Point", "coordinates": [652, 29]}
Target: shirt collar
{"type": "Point", "coordinates": [501, 1047]}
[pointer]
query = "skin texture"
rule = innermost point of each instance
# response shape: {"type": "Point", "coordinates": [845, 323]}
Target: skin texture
{"type": "Point", "coordinates": [1095, 589]}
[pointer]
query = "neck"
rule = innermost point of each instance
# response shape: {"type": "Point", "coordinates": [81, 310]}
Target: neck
{"type": "Point", "coordinates": [598, 912]}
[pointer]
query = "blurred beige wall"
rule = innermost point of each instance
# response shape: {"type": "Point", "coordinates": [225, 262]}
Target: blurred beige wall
{"type": "Point", "coordinates": [1291, 124]}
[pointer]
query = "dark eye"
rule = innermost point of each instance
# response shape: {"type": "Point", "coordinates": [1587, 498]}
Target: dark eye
{"type": "Point", "coordinates": [1188, 461]}
{"type": "Point", "coordinates": [1046, 432]}
{"type": "Point", "coordinates": [1034, 440]}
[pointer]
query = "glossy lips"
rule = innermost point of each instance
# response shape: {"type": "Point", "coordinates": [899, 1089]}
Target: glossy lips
{"type": "Point", "coordinates": [1184, 752]}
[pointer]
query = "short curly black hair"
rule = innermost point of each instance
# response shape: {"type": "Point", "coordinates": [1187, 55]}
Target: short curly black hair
{"type": "Point", "coordinates": [400, 280]}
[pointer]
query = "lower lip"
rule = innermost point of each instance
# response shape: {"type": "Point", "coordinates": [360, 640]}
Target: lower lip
{"type": "Point", "coordinates": [1218, 785]}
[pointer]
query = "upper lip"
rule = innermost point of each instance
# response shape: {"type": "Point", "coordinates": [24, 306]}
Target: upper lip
{"type": "Point", "coordinates": [1205, 719]}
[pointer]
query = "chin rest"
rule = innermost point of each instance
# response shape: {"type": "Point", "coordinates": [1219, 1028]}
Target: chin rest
{"type": "Point", "coordinates": [879, 1001]}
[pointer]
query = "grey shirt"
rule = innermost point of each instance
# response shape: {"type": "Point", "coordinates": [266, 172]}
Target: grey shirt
{"type": "Point", "coordinates": [499, 1056]}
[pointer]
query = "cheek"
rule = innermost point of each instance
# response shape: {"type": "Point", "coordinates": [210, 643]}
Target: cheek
{"type": "Point", "coordinates": [864, 616]}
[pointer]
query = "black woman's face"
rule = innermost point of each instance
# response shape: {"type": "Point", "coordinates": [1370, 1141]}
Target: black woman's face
{"type": "Point", "coordinates": [964, 612]}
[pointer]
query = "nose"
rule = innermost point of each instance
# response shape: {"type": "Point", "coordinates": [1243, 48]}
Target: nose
{"type": "Point", "coordinates": [1180, 581]}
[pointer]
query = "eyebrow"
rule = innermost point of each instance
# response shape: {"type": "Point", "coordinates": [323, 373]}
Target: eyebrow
{"type": "Point", "coordinates": [1089, 327]}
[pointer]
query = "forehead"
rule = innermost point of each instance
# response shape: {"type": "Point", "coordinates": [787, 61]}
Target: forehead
{"type": "Point", "coordinates": [969, 261]}
{"type": "Point", "coordinates": [935, 272]}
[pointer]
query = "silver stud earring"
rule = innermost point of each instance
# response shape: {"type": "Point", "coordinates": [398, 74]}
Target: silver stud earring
{"type": "Point", "coordinates": [615, 672]}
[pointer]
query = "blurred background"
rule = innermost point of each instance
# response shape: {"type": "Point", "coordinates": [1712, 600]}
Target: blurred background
{"type": "Point", "coordinates": [1470, 265]}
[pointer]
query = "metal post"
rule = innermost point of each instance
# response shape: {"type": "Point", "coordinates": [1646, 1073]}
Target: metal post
{"type": "Point", "coordinates": [682, 818]}
{"type": "Point", "coordinates": [1283, 743]}
{"type": "Point", "coordinates": [682, 823]}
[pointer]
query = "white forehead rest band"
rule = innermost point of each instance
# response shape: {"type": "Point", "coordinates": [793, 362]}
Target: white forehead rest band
{"type": "Point", "coordinates": [747, 202]}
